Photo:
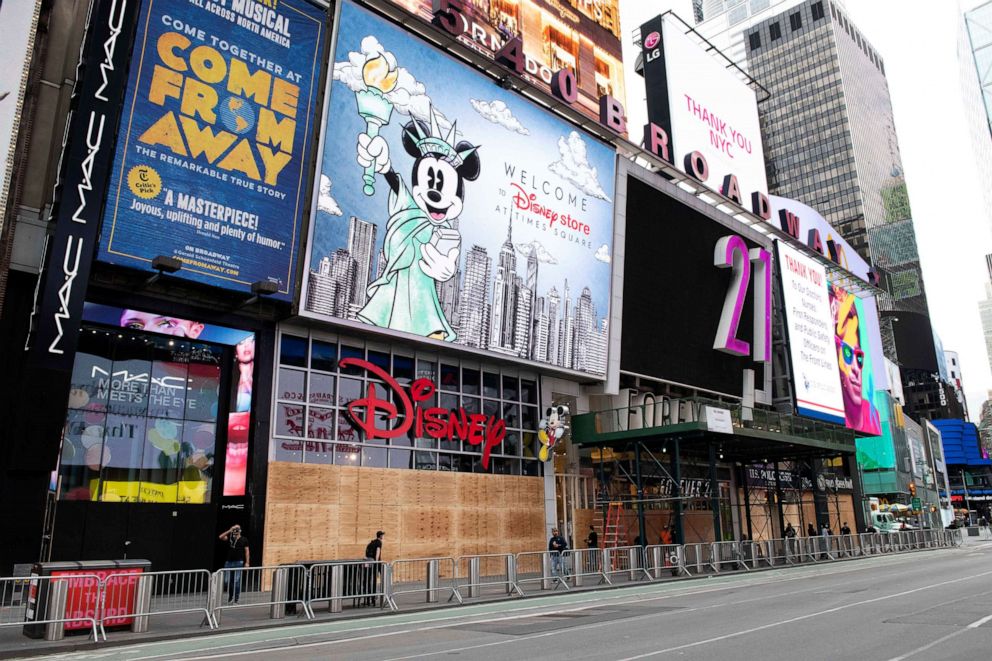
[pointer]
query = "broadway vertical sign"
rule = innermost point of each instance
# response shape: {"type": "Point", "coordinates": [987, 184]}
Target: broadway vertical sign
{"type": "Point", "coordinates": [87, 154]}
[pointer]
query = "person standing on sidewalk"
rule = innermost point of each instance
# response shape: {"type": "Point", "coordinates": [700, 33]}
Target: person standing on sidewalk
{"type": "Point", "coordinates": [373, 554]}
{"type": "Point", "coordinates": [238, 557]}
{"type": "Point", "coordinates": [592, 543]}
{"type": "Point", "coordinates": [556, 545]}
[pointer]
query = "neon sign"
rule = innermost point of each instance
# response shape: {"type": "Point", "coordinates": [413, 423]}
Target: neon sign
{"type": "Point", "coordinates": [405, 414]}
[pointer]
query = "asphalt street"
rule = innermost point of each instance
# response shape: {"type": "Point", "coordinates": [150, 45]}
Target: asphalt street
{"type": "Point", "coordinates": [927, 605]}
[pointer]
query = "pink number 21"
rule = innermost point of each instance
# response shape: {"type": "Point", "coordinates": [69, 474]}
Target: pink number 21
{"type": "Point", "coordinates": [731, 252]}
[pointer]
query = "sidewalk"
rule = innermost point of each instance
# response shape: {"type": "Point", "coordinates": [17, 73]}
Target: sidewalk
{"type": "Point", "coordinates": [257, 616]}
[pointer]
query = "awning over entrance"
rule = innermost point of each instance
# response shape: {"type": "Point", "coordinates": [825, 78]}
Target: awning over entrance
{"type": "Point", "coordinates": [745, 434]}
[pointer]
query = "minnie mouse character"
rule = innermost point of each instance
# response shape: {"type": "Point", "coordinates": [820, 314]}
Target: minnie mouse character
{"type": "Point", "coordinates": [421, 246]}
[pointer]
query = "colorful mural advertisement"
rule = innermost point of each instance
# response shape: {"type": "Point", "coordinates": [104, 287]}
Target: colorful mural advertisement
{"type": "Point", "coordinates": [142, 421]}
{"type": "Point", "coordinates": [581, 35]}
{"type": "Point", "coordinates": [854, 362]}
{"type": "Point", "coordinates": [454, 211]}
{"type": "Point", "coordinates": [215, 137]}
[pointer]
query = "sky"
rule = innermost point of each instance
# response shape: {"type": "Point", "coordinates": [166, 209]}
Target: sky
{"type": "Point", "coordinates": [918, 40]}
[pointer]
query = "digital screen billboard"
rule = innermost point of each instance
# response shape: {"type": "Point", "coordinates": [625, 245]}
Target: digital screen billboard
{"type": "Point", "coordinates": [454, 211]}
{"type": "Point", "coordinates": [878, 452]}
{"type": "Point", "coordinates": [581, 35]}
{"type": "Point", "coordinates": [812, 349]}
{"type": "Point", "coordinates": [703, 106]}
{"type": "Point", "coordinates": [675, 304]}
{"type": "Point", "coordinates": [215, 137]}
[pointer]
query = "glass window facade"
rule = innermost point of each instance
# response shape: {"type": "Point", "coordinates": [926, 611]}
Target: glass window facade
{"type": "Point", "coordinates": [142, 419]}
{"type": "Point", "coordinates": [311, 421]}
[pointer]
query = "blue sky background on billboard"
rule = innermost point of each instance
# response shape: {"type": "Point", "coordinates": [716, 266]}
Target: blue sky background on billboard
{"type": "Point", "coordinates": [214, 141]}
{"type": "Point", "coordinates": [520, 149]}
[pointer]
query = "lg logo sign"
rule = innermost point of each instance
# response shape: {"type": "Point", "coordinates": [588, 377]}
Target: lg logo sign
{"type": "Point", "coordinates": [651, 52]}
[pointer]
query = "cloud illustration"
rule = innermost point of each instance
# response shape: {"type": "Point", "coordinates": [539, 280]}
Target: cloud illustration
{"type": "Point", "coordinates": [499, 113]}
{"type": "Point", "coordinates": [574, 166]}
{"type": "Point", "coordinates": [409, 97]}
{"type": "Point", "coordinates": [603, 254]}
{"type": "Point", "coordinates": [538, 249]}
{"type": "Point", "coordinates": [325, 202]}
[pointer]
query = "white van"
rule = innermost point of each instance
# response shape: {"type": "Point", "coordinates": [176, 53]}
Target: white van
{"type": "Point", "coordinates": [886, 522]}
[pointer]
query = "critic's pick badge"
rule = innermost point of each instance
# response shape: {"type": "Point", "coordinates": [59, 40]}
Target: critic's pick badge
{"type": "Point", "coordinates": [144, 182]}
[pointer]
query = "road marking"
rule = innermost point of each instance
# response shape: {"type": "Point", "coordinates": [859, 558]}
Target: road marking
{"type": "Point", "coordinates": [973, 625]}
{"type": "Point", "coordinates": [801, 618]}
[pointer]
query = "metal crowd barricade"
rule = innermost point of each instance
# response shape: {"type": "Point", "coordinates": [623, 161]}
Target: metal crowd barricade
{"type": "Point", "coordinates": [627, 560]}
{"type": "Point", "coordinates": [362, 581]}
{"type": "Point", "coordinates": [136, 597]}
{"type": "Point", "coordinates": [429, 576]}
{"type": "Point", "coordinates": [539, 567]}
{"type": "Point", "coordinates": [781, 551]}
{"type": "Point", "coordinates": [476, 572]}
{"type": "Point", "coordinates": [255, 587]}
{"type": "Point", "coordinates": [662, 558]}
{"type": "Point", "coordinates": [699, 558]}
{"type": "Point", "coordinates": [727, 557]}
{"type": "Point", "coordinates": [583, 564]}
{"type": "Point", "coordinates": [52, 603]}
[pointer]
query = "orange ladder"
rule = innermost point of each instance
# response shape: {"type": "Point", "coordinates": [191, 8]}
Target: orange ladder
{"type": "Point", "coordinates": [614, 523]}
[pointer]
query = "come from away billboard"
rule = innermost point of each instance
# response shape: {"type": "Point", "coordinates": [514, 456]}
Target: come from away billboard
{"type": "Point", "coordinates": [215, 137]}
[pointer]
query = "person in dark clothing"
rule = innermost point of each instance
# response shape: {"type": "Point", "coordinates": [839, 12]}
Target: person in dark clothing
{"type": "Point", "coordinates": [238, 557]}
{"type": "Point", "coordinates": [373, 554]}
{"type": "Point", "coordinates": [592, 542]}
{"type": "Point", "coordinates": [810, 530]}
{"type": "Point", "coordinates": [845, 529]}
{"type": "Point", "coordinates": [556, 545]}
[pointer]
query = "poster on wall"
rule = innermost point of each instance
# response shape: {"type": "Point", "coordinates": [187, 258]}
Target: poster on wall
{"type": "Point", "coordinates": [216, 133]}
{"type": "Point", "coordinates": [454, 211]}
{"type": "Point", "coordinates": [812, 348]}
{"type": "Point", "coordinates": [18, 21]}
{"type": "Point", "coordinates": [581, 35]}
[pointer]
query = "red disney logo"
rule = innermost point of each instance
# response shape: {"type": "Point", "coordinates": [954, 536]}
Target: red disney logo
{"type": "Point", "coordinates": [524, 201]}
{"type": "Point", "coordinates": [431, 421]}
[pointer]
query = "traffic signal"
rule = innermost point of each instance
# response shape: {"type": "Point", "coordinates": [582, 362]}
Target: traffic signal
{"type": "Point", "coordinates": [912, 489]}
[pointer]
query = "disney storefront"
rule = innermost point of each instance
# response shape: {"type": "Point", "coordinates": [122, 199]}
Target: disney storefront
{"type": "Point", "coordinates": [439, 451]}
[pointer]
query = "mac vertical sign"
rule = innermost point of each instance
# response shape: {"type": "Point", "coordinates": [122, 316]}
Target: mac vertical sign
{"type": "Point", "coordinates": [87, 154]}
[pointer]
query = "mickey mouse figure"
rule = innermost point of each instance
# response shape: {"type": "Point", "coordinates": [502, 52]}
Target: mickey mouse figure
{"type": "Point", "coordinates": [551, 428]}
{"type": "Point", "coordinates": [421, 246]}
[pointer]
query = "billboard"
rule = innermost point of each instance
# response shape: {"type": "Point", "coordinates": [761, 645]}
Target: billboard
{"type": "Point", "coordinates": [676, 303]}
{"type": "Point", "coordinates": [812, 349]}
{"type": "Point", "coordinates": [703, 107]}
{"type": "Point", "coordinates": [454, 211]}
{"type": "Point", "coordinates": [18, 21]}
{"type": "Point", "coordinates": [878, 452]}
{"type": "Point", "coordinates": [581, 35]}
{"type": "Point", "coordinates": [215, 138]}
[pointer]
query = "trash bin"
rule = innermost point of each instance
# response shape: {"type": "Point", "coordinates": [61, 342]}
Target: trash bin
{"type": "Point", "coordinates": [81, 594]}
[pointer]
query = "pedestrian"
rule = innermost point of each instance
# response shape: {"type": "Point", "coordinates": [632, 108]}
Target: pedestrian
{"type": "Point", "coordinates": [592, 543]}
{"type": "Point", "coordinates": [666, 536]}
{"type": "Point", "coordinates": [556, 545]}
{"type": "Point", "coordinates": [825, 541]}
{"type": "Point", "coordinates": [845, 541]}
{"type": "Point", "coordinates": [238, 557]}
{"type": "Point", "coordinates": [845, 529]}
{"type": "Point", "coordinates": [810, 530]}
{"type": "Point", "coordinates": [373, 556]}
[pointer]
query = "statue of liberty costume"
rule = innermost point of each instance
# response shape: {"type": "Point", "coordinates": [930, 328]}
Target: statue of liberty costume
{"type": "Point", "coordinates": [405, 298]}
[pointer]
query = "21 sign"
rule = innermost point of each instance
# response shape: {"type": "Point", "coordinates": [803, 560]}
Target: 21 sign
{"type": "Point", "coordinates": [731, 252]}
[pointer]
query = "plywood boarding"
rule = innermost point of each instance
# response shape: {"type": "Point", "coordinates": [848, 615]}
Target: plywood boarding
{"type": "Point", "coordinates": [316, 512]}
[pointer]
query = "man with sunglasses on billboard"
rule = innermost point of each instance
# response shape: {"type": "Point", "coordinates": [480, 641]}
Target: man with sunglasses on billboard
{"type": "Point", "coordinates": [858, 411]}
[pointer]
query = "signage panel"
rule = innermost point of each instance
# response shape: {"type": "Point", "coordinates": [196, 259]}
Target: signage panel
{"type": "Point", "coordinates": [709, 115]}
{"type": "Point", "coordinates": [812, 349]}
{"type": "Point", "coordinates": [579, 35]}
{"type": "Point", "coordinates": [85, 168]}
{"type": "Point", "coordinates": [214, 141]}
{"type": "Point", "coordinates": [454, 211]}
